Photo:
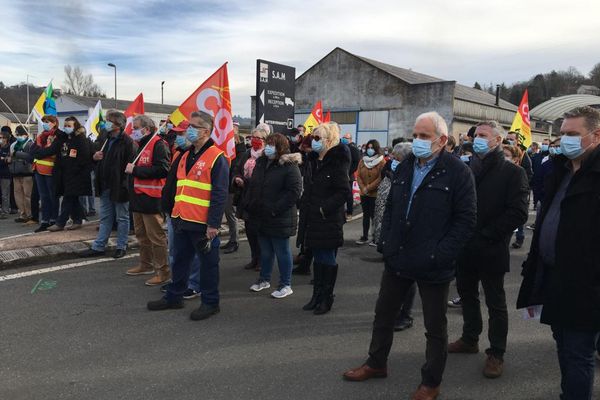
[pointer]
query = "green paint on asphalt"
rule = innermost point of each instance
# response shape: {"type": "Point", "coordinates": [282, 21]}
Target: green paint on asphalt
{"type": "Point", "coordinates": [43, 284]}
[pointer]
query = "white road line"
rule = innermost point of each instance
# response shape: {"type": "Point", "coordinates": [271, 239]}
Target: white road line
{"type": "Point", "coordinates": [21, 235]}
{"type": "Point", "coordinates": [59, 268]}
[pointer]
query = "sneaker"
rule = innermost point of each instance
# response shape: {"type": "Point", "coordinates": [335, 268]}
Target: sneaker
{"type": "Point", "coordinates": [282, 291]}
{"type": "Point", "coordinates": [455, 303]}
{"type": "Point", "coordinates": [190, 294]}
{"type": "Point", "coordinates": [372, 244]}
{"type": "Point", "coordinates": [139, 270]}
{"type": "Point", "coordinates": [260, 285]}
{"type": "Point", "coordinates": [362, 240]}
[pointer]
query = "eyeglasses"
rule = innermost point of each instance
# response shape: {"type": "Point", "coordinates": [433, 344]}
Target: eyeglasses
{"type": "Point", "coordinates": [256, 137]}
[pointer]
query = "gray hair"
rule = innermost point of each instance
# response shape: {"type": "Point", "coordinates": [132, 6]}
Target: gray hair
{"type": "Point", "coordinates": [495, 125]}
{"type": "Point", "coordinates": [441, 128]}
{"type": "Point", "coordinates": [590, 115]}
{"type": "Point", "coordinates": [265, 127]}
{"type": "Point", "coordinates": [401, 150]}
{"type": "Point", "coordinates": [206, 120]}
{"type": "Point", "coordinates": [145, 122]}
{"type": "Point", "coordinates": [117, 117]}
{"type": "Point", "coordinates": [260, 132]}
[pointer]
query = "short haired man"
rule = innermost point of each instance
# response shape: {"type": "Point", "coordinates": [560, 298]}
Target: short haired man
{"type": "Point", "coordinates": [196, 199]}
{"type": "Point", "coordinates": [562, 270]}
{"type": "Point", "coordinates": [149, 175]}
{"type": "Point", "coordinates": [430, 214]}
{"type": "Point", "coordinates": [502, 204]}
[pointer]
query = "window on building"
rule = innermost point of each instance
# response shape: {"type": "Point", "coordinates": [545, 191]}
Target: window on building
{"type": "Point", "coordinates": [373, 121]}
{"type": "Point", "coordinates": [344, 118]}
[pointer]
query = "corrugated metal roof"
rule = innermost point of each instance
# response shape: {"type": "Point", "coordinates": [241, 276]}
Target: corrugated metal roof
{"type": "Point", "coordinates": [479, 96]}
{"type": "Point", "coordinates": [11, 117]}
{"type": "Point", "coordinates": [407, 75]}
{"type": "Point", "coordinates": [90, 102]}
{"type": "Point", "coordinates": [556, 107]}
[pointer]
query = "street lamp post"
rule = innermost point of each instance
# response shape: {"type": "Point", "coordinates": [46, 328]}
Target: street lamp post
{"type": "Point", "coordinates": [115, 67]}
{"type": "Point", "coordinates": [162, 99]}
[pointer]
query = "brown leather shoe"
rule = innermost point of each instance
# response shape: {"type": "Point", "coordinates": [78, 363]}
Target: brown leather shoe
{"type": "Point", "coordinates": [162, 277]}
{"type": "Point", "coordinates": [493, 367]}
{"type": "Point", "coordinates": [139, 270]}
{"type": "Point", "coordinates": [461, 347]}
{"type": "Point", "coordinates": [364, 372]}
{"type": "Point", "coordinates": [426, 393]}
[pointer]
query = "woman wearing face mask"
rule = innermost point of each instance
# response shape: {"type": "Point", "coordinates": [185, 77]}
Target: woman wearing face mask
{"type": "Point", "coordinates": [368, 179]}
{"type": "Point", "coordinates": [322, 211]}
{"type": "Point", "coordinates": [71, 174]}
{"type": "Point", "coordinates": [43, 168]}
{"type": "Point", "coordinates": [20, 166]}
{"type": "Point", "coordinates": [241, 176]}
{"type": "Point", "coordinates": [273, 190]}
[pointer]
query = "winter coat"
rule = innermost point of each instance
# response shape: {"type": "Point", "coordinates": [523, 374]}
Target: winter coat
{"type": "Point", "coordinates": [110, 171]}
{"type": "Point", "coordinates": [537, 182]}
{"type": "Point", "coordinates": [273, 190]}
{"type": "Point", "coordinates": [240, 149]}
{"type": "Point", "coordinates": [322, 205]}
{"type": "Point", "coordinates": [161, 160]}
{"type": "Point", "coordinates": [21, 161]}
{"type": "Point", "coordinates": [4, 154]}
{"type": "Point", "coordinates": [354, 159]}
{"type": "Point", "coordinates": [424, 243]}
{"type": "Point", "coordinates": [569, 290]}
{"type": "Point", "coordinates": [240, 193]}
{"type": "Point", "coordinates": [73, 164]}
{"type": "Point", "coordinates": [502, 206]}
{"type": "Point", "coordinates": [369, 178]}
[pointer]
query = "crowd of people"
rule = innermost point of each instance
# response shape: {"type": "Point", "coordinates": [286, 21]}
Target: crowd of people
{"type": "Point", "coordinates": [437, 210]}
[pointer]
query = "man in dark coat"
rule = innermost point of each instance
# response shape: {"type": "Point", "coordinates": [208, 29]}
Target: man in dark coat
{"type": "Point", "coordinates": [430, 214]}
{"type": "Point", "coordinates": [354, 160]}
{"type": "Point", "coordinates": [512, 139]}
{"type": "Point", "coordinates": [502, 200]}
{"type": "Point", "coordinates": [562, 270]}
{"type": "Point", "coordinates": [115, 150]}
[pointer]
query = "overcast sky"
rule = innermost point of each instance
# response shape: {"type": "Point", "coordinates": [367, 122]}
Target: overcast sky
{"type": "Point", "coordinates": [182, 42]}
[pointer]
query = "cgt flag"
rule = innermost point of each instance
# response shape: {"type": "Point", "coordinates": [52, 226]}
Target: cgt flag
{"type": "Point", "coordinates": [135, 108]}
{"type": "Point", "coordinates": [521, 124]}
{"type": "Point", "coordinates": [314, 119]}
{"type": "Point", "coordinates": [213, 98]}
{"type": "Point", "coordinates": [327, 117]}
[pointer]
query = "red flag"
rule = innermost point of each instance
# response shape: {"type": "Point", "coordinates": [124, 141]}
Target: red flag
{"type": "Point", "coordinates": [135, 108]}
{"type": "Point", "coordinates": [327, 117]}
{"type": "Point", "coordinates": [213, 98]}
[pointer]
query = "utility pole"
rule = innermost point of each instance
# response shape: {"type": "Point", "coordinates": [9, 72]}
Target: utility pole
{"type": "Point", "coordinates": [115, 67]}
{"type": "Point", "coordinates": [162, 99]}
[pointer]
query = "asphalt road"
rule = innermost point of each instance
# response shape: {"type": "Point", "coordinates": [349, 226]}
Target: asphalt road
{"type": "Point", "coordinates": [84, 333]}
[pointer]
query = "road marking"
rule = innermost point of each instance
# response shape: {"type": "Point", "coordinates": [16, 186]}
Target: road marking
{"type": "Point", "coordinates": [21, 235]}
{"type": "Point", "coordinates": [59, 268]}
{"type": "Point", "coordinates": [43, 284]}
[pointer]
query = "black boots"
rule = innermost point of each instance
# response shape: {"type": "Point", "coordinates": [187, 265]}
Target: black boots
{"type": "Point", "coordinates": [322, 298]}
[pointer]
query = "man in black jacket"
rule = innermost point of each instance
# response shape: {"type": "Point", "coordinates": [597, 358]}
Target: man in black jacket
{"type": "Point", "coordinates": [115, 150]}
{"type": "Point", "coordinates": [354, 160]}
{"type": "Point", "coordinates": [562, 270]}
{"type": "Point", "coordinates": [148, 176]}
{"type": "Point", "coordinates": [430, 214]}
{"type": "Point", "coordinates": [502, 199]}
{"type": "Point", "coordinates": [512, 139]}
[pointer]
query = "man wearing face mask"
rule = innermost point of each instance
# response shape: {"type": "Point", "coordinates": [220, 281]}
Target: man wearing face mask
{"type": "Point", "coordinates": [502, 204]}
{"type": "Point", "coordinates": [430, 214]}
{"type": "Point", "coordinates": [43, 168]}
{"type": "Point", "coordinates": [562, 270]}
{"type": "Point", "coordinates": [149, 174]}
{"type": "Point", "coordinates": [199, 199]}
{"type": "Point", "coordinates": [114, 150]}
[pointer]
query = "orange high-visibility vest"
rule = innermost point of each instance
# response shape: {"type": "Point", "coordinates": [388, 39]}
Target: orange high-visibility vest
{"type": "Point", "coordinates": [44, 166]}
{"type": "Point", "coordinates": [192, 198]}
{"type": "Point", "coordinates": [150, 187]}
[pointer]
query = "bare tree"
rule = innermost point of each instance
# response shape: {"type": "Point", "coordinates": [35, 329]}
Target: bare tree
{"type": "Point", "coordinates": [79, 83]}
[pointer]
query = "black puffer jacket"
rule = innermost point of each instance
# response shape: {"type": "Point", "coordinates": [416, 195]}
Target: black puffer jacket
{"type": "Point", "coordinates": [273, 190]}
{"type": "Point", "coordinates": [424, 243]}
{"type": "Point", "coordinates": [326, 189]}
{"type": "Point", "coordinates": [110, 171]}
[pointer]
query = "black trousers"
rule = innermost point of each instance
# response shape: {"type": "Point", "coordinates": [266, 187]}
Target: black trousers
{"type": "Point", "coordinates": [70, 206]}
{"type": "Point", "coordinates": [435, 302]}
{"type": "Point", "coordinates": [35, 202]}
{"type": "Point", "coordinates": [368, 208]}
{"type": "Point", "coordinates": [252, 235]}
{"type": "Point", "coordinates": [467, 283]}
{"type": "Point", "coordinates": [350, 200]}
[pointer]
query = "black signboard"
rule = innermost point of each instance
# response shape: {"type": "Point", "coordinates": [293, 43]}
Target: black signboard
{"type": "Point", "coordinates": [275, 86]}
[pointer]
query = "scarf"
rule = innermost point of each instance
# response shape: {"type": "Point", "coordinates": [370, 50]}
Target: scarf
{"type": "Point", "coordinates": [251, 163]}
{"type": "Point", "coordinates": [371, 162]}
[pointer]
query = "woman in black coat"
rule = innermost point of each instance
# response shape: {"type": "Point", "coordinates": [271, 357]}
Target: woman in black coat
{"type": "Point", "coordinates": [71, 172]}
{"type": "Point", "coordinates": [322, 218]}
{"type": "Point", "coordinates": [273, 191]}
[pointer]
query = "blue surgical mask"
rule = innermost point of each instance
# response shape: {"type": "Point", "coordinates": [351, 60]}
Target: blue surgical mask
{"type": "Point", "coordinates": [162, 130]}
{"type": "Point", "coordinates": [370, 152]}
{"type": "Point", "coordinates": [422, 148]}
{"type": "Point", "coordinates": [169, 126]}
{"type": "Point", "coordinates": [317, 146]}
{"type": "Point", "coordinates": [137, 135]}
{"type": "Point", "coordinates": [345, 141]}
{"type": "Point", "coordinates": [192, 134]}
{"type": "Point", "coordinates": [68, 130]}
{"type": "Point", "coordinates": [45, 126]}
{"type": "Point", "coordinates": [481, 146]}
{"type": "Point", "coordinates": [465, 158]}
{"type": "Point", "coordinates": [21, 139]}
{"type": "Point", "coordinates": [270, 151]}
{"type": "Point", "coordinates": [107, 127]}
{"type": "Point", "coordinates": [181, 142]}
{"type": "Point", "coordinates": [511, 142]}
{"type": "Point", "coordinates": [545, 147]}
{"type": "Point", "coordinates": [570, 146]}
{"type": "Point", "coordinates": [394, 164]}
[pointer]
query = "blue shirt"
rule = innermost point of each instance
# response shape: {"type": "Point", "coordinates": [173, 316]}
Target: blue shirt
{"type": "Point", "coordinates": [419, 173]}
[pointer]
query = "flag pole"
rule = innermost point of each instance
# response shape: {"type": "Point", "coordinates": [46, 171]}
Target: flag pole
{"type": "Point", "coordinates": [15, 115]}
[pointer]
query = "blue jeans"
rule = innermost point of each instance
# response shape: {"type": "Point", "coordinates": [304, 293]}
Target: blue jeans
{"type": "Point", "coordinates": [185, 248]}
{"type": "Point", "coordinates": [271, 247]}
{"type": "Point", "coordinates": [110, 210]}
{"type": "Point", "coordinates": [576, 350]}
{"type": "Point", "coordinates": [45, 186]}
{"type": "Point", "coordinates": [325, 256]}
{"type": "Point", "coordinates": [194, 281]}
